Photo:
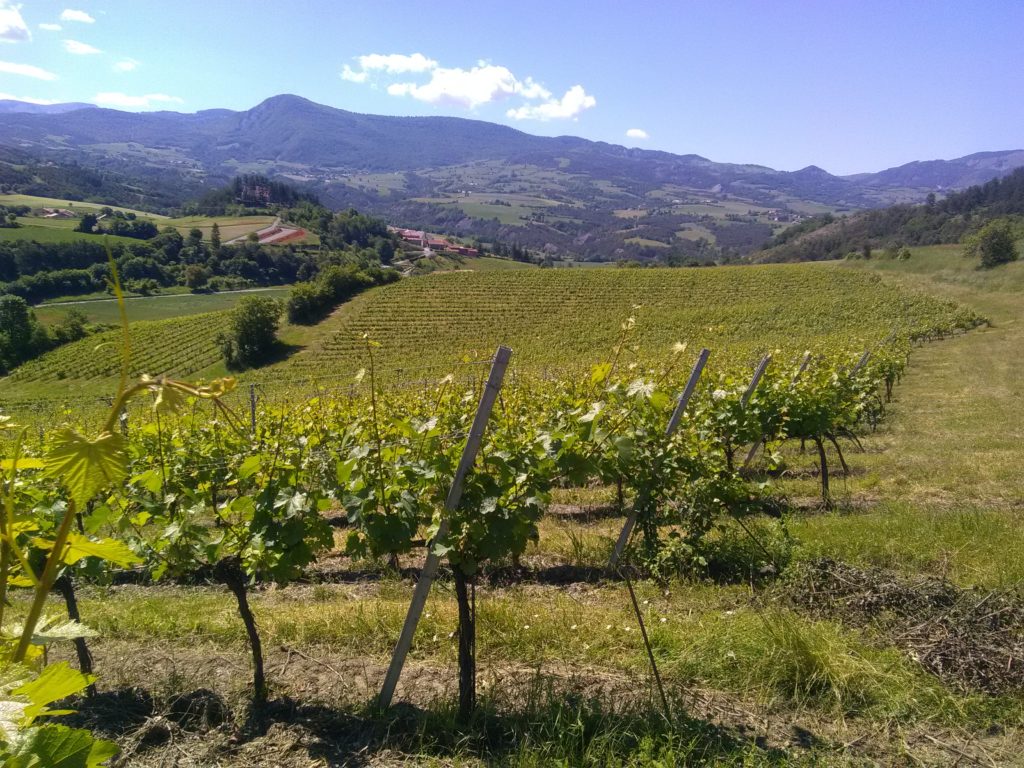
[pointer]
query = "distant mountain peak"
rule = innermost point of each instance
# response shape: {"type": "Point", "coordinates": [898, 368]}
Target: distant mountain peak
{"type": "Point", "coordinates": [813, 171]}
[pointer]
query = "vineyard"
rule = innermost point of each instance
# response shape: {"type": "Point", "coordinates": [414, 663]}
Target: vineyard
{"type": "Point", "coordinates": [554, 319]}
{"type": "Point", "coordinates": [178, 346]}
{"type": "Point", "coordinates": [577, 503]}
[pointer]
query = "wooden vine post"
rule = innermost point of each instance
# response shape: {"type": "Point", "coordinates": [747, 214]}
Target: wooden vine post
{"type": "Point", "coordinates": [252, 408]}
{"type": "Point", "coordinates": [419, 597]}
{"type": "Point", "coordinates": [804, 363]}
{"type": "Point", "coordinates": [673, 423]}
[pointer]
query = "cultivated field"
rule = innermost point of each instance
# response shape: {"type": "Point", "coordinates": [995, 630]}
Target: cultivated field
{"type": "Point", "coordinates": [163, 307]}
{"type": "Point", "coordinates": [887, 630]}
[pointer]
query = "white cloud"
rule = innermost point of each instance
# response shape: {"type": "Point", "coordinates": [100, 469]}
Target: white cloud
{"type": "Point", "coordinates": [637, 133]}
{"type": "Point", "coordinates": [397, 63]}
{"type": "Point", "coordinates": [26, 99]}
{"type": "Point", "coordinates": [126, 65]}
{"type": "Point", "coordinates": [468, 88]}
{"type": "Point", "coordinates": [123, 100]}
{"type": "Point", "coordinates": [72, 15]}
{"type": "Point", "coordinates": [12, 27]}
{"type": "Point", "coordinates": [26, 70]}
{"type": "Point", "coordinates": [51, 27]}
{"type": "Point", "coordinates": [80, 49]}
{"type": "Point", "coordinates": [347, 73]}
{"type": "Point", "coordinates": [569, 106]}
{"type": "Point", "coordinates": [529, 89]}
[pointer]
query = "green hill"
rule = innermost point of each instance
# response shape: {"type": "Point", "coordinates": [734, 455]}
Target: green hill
{"type": "Point", "coordinates": [552, 319]}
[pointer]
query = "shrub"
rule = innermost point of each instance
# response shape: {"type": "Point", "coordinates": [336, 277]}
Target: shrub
{"type": "Point", "coordinates": [252, 332]}
{"type": "Point", "coordinates": [993, 244]}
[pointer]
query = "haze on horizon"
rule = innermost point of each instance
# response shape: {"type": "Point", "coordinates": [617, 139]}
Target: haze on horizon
{"type": "Point", "coordinates": [848, 87]}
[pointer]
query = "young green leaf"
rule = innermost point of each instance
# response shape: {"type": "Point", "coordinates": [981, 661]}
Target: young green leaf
{"type": "Point", "coordinates": [86, 466]}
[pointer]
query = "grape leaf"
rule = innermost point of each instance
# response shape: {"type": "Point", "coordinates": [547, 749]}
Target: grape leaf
{"type": "Point", "coordinates": [85, 466]}
{"type": "Point", "coordinates": [111, 550]}
{"type": "Point", "coordinates": [57, 746]}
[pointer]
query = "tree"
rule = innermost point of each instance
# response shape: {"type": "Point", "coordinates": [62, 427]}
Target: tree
{"type": "Point", "coordinates": [87, 224]}
{"type": "Point", "coordinates": [22, 336]}
{"type": "Point", "coordinates": [252, 332]}
{"type": "Point", "coordinates": [196, 277]}
{"type": "Point", "coordinates": [215, 239]}
{"type": "Point", "coordinates": [993, 244]}
{"type": "Point", "coordinates": [71, 327]}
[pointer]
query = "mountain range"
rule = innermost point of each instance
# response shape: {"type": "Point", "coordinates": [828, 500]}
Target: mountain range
{"type": "Point", "coordinates": [472, 178]}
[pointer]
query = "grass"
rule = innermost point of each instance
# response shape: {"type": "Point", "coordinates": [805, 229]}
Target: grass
{"type": "Point", "coordinates": [41, 231]}
{"type": "Point", "coordinates": [646, 241]}
{"type": "Point", "coordinates": [702, 635]}
{"type": "Point", "coordinates": [154, 307]}
{"type": "Point", "coordinates": [943, 478]}
{"type": "Point", "coordinates": [970, 545]}
{"type": "Point", "coordinates": [71, 205]}
{"type": "Point", "coordinates": [230, 226]}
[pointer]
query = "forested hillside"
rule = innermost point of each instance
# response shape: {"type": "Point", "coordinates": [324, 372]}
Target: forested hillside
{"type": "Point", "coordinates": [934, 222]}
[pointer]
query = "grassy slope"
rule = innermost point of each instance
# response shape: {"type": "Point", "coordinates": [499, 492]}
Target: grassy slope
{"type": "Point", "coordinates": [58, 231]}
{"type": "Point", "coordinates": [71, 205]}
{"type": "Point", "coordinates": [230, 226]}
{"type": "Point", "coordinates": [946, 469]}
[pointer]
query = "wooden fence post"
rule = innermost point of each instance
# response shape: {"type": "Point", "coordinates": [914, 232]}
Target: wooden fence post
{"type": "Point", "coordinates": [677, 415]}
{"type": "Point", "coordinates": [419, 597]}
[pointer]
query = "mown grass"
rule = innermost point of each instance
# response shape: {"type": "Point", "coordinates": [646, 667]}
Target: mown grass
{"type": "Point", "coordinates": [230, 226]}
{"type": "Point", "coordinates": [702, 636]}
{"type": "Point", "coordinates": [971, 546]}
{"type": "Point", "coordinates": [941, 486]}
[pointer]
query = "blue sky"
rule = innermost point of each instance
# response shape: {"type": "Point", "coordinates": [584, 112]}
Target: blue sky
{"type": "Point", "coordinates": [848, 86]}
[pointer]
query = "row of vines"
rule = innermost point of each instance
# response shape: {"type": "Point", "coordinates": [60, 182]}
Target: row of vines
{"type": "Point", "coordinates": [199, 490]}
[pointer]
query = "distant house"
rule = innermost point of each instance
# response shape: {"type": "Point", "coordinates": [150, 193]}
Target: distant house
{"type": "Point", "coordinates": [434, 243]}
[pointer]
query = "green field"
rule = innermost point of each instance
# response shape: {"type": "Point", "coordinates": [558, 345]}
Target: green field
{"type": "Point", "coordinates": [153, 307]}
{"type": "Point", "coordinates": [230, 226]}
{"type": "Point", "coordinates": [57, 231]}
{"type": "Point", "coordinates": [646, 241]}
{"type": "Point", "coordinates": [71, 205]}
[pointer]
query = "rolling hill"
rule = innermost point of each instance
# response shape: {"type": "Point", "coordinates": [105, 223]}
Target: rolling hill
{"type": "Point", "coordinates": [467, 177]}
